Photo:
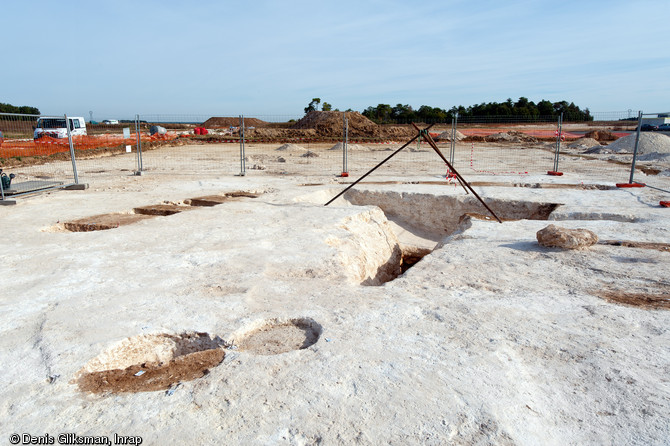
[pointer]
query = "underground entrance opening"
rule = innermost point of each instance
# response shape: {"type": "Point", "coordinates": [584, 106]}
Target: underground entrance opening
{"type": "Point", "coordinates": [421, 221]}
{"type": "Point", "coordinates": [148, 363]}
{"type": "Point", "coordinates": [411, 256]}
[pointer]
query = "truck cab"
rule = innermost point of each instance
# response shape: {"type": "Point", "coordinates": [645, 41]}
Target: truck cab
{"type": "Point", "coordinates": [56, 128]}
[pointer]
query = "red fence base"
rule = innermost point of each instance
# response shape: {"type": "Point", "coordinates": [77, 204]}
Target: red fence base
{"type": "Point", "coordinates": [630, 185]}
{"type": "Point", "coordinates": [556, 174]}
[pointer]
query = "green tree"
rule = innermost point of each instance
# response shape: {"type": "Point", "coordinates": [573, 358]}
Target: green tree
{"type": "Point", "coordinates": [24, 109]}
{"type": "Point", "coordinates": [429, 114]}
{"type": "Point", "coordinates": [545, 108]}
{"type": "Point", "coordinates": [381, 114]}
{"type": "Point", "coordinates": [523, 109]}
{"type": "Point", "coordinates": [314, 105]}
{"type": "Point", "coordinates": [326, 106]}
{"type": "Point", "coordinates": [403, 113]}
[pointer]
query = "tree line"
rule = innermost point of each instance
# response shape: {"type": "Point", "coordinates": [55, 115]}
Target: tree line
{"type": "Point", "coordinates": [522, 110]}
{"type": "Point", "coordinates": [23, 109]}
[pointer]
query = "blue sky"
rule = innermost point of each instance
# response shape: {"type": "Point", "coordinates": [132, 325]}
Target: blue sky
{"type": "Point", "coordinates": [263, 58]}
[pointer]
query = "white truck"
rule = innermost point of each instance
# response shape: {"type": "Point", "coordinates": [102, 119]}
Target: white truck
{"type": "Point", "coordinates": [55, 127]}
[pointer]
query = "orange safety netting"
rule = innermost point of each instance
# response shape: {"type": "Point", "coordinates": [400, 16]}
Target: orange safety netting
{"type": "Point", "coordinates": [536, 133]}
{"type": "Point", "coordinates": [47, 145]}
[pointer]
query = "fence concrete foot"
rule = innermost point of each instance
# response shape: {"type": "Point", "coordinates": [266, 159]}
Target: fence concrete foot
{"type": "Point", "coordinates": [82, 186]}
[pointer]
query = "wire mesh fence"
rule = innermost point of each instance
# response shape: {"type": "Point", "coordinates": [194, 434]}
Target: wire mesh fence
{"type": "Point", "coordinates": [34, 153]}
{"type": "Point", "coordinates": [651, 151]}
{"type": "Point", "coordinates": [37, 148]}
{"type": "Point", "coordinates": [287, 145]}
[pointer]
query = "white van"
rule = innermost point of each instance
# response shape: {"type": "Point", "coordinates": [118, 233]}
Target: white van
{"type": "Point", "coordinates": [55, 127]}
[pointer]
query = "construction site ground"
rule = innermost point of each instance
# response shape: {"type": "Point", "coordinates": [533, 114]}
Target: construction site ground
{"type": "Point", "coordinates": [402, 313]}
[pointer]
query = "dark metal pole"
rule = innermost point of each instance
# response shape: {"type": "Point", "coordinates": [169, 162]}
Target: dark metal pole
{"type": "Point", "coordinates": [454, 129]}
{"type": "Point", "coordinates": [72, 156]}
{"type": "Point", "coordinates": [345, 142]}
{"type": "Point", "coordinates": [376, 167]}
{"type": "Point", "coordinates": [432, 144]}
{"type": "Point", "coordinates": [464, 183]}
{"type": "Point", "coordinates": [243, 165]}
{"type": "Point", "coordinates": [558, 142]}
{"type": "Point", "coordinates": [637, 142]}
{"type": "Point", "coordinates": [137, 144]}
{"type": "Point", "coordinates": [140, 162]}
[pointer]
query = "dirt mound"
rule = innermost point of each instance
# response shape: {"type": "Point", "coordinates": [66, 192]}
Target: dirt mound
{"type": "Point", "coordinates": [446, 136]}
{"type": "Point", "coordinates": [584, 143]}
{"type": "Point", "coordinates": [350, 147]}
{"type": "Point", "coordinates": [397, 132]}
{"type": "Point", "coordinates": [330, 123]}
{"type": "Point", "coordinates": [291, 148]}
{"type": "Point", "coordinates": [512, 136]}
{"type": "Point", "coordinates": [267, 133]}
{"type": "Point", "coordinates": [233, 122]}
{"type": "Point", "coordinates": [601, 135]}
{"type": "Point", "coordinates": [650, 143]}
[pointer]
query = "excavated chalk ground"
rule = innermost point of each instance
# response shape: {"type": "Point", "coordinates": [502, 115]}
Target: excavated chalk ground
{"type": "Point", "coordinates": [489, 339]}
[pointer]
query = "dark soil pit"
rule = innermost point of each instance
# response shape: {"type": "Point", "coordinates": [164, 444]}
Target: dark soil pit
{"type": "Point", "coordinates": [208, 201]}
{"type": "Point", "coordinates": [277, 336]}
{"type": "Point", "coordinates": [161, 209]}
{"type": "Point", "coordinates": [214, 200]}
{"type": "Point", "coordinates": [242, 194]}
{"type": "Point", "coordinates": [641, 300]}
{"type": "Point", "coordinates": [103, 222]}
{"type": "Point", "coordinates": [149, 363]}
{"type": "Point", "coordinates": [642, 245]}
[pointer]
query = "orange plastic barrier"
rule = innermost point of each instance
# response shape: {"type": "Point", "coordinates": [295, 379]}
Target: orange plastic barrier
{"type": "Point", "coordinates": [535, 133]}
{"type": "Point", "coordinates": [47, 145]}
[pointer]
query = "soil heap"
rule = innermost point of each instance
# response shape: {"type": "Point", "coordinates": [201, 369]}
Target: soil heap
{"type": "Point", "coordinates": [215, 122]}
{"type": "Point", "coordinates": [398, 132]}
{"type": "Point", "coordinates": [281, 134]}
{"type": "Point", "coordinates": [446, 136]}
{"type": "Point", "coordinates": [601, 135]}
{"type": "Point", "coordinates": [584, 143]}
{"type": "Point", "coordinates": [350, 147]}
{"type": "Point", "coordinates": [291, 148]}
{"type": "Point", "coordinates": [330, 123]}
{"type": "Point", "coordinates": [512, 136]}
{"type": "Point", "coordinates": [649, 143]}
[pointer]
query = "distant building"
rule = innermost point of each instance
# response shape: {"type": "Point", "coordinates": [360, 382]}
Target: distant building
{"type": "Point", "coordinates": [662, 119]}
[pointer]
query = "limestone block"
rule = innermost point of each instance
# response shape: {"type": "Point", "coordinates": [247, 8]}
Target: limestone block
{"type": "Point", "coordinates": [556, 237]}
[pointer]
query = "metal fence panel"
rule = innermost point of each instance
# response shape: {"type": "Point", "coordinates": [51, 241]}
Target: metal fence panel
{"type": "Point", "coordinates": [511, 145]}
{"type": "Point", "coordinates": [651, 151]}
{"type": "Point", "coordinates": [33, 163]}
{"type": "Point", "coordinates": [108, 149]}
